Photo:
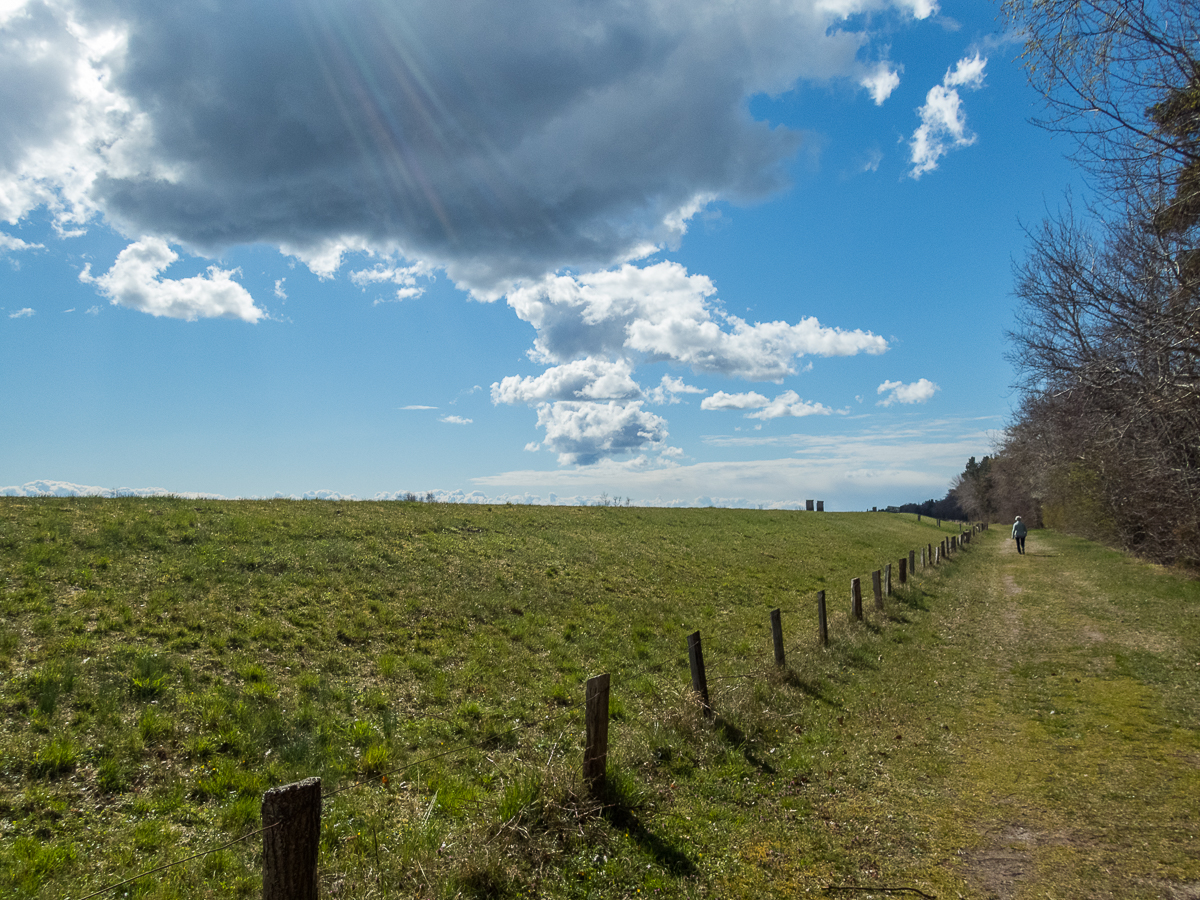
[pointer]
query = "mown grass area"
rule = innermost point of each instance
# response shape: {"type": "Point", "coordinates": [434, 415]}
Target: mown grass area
{"type": "Point", "coordinates": [166, 661]}
{"type": "Point", "coordinates": [1037, 733]}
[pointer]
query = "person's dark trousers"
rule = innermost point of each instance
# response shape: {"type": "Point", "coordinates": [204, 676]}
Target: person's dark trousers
{"type": "Point", "coordinates": [1020, 545]}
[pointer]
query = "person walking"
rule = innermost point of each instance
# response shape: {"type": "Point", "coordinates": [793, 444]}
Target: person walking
{"type": "Point", "coordinates": [1019, 532]}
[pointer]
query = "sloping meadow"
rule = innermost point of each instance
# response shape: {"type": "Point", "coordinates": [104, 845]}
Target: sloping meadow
{"type": "Point", "coordinates": [166, 661]}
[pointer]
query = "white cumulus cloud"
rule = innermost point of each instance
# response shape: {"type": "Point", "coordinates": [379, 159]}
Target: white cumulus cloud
{"type": "Point", "coordinates": [8, 244]}
{"type": "Point", "coordinates": [722, 400]}
{"type": "Point", "coordinates": [786, 404]}
{"type": "Point", "coordinates": [661, 313]}
{"type": "Point", "coordinates": [881, 82]}
{"type": "Point", "coordinates": [943, 123]}
{"type": "Point", "coordinates": [919, 391]}
{"type": "Point", "coordinates": [21, 313]}
{"type": "Point", "coordinates": [585, 433]}
{"type": "Point", "coordinates": [668, 390]}
{"type": "Point", "coordinates": [133, 282]}
{"type": "Point", "coordinates": [596, 328]}
{"type": "Point", "coordinates": [405, 276]}
{"type": "Point", "coordinates": [789, 404]}
{"type": "Point", "coordinates": [584, 379]}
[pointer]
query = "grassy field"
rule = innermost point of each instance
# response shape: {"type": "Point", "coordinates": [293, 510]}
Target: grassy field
{"type": "Point", "coordinates": [166, 661]}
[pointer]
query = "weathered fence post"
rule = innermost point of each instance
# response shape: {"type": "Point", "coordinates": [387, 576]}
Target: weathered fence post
{"type": "Point", "coordinates": [903, 570]}
{"type": "Point", "coordinates": [856, 598]}
{"type": "Point", "coordinates": [887, 580]}
{"type": "Point", "coordinates": [924, 564]}
{"type": "Point", "coordinates": [912, 562]}
{"type": "Point", "coordinates": [822, 620]}
{"type": "Point", "coordinates": [929, 547]}
{"type": "Point", "coordinates": [777, 635]}
{"type": "Point", "coordinates": [877, 587]}
{"type": "Point", "coordinates": [595, 752]}
{"type": "Point", "coordinates": [699, 680]}
{"type": "Point", "coordinates": [291, 818]}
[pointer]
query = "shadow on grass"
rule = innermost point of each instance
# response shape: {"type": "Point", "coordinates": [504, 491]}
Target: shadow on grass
{"type": "Point", "coordinates": [818, 690]}
{"type": "Point", "coordinates": [912, 597]}
{"type": "Point", "coordinates": [736, 738]}
{"type": "Point", "coordinates": [855, 656]}
{"type": "Point", "coordinates": [670, 857]}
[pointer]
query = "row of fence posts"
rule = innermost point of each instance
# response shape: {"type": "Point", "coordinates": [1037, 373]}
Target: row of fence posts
{"type": "Point", "coordinates": [291, 815]}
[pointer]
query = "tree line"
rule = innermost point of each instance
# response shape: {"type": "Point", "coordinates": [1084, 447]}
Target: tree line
{"type": "Point", "coordinates": [1105, 440]}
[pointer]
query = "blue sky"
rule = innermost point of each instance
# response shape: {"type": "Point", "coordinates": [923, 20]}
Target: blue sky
{"type": "Point", "coordinates": [675, 252]}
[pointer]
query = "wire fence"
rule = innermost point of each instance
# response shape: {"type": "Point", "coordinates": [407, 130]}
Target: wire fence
{"type": "Point", "coordinates": [948, 547]}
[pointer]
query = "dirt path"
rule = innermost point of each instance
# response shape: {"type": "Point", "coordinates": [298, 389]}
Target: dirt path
{"type": "Point", "coordinates": [1058, 742]}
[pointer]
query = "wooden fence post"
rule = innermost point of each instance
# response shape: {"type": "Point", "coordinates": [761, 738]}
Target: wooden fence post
{"type": "Point", "coordinates": [929, 547]}
{"type": "Point", "coordinates": [877, 587]}
{"type": "Point", "coordinates": [822, 620]}
{"type": "Point", "coordinates": [903, 570]}
{"type": "Point", "coordinates": [595, 752]}
{"type": "Point", "coordinates": [856, 598]}
{"type": "Point", "coordinates": [912, 562]}
{"type": "Point", "coordinates": [887, 580]}
{"type": "Point", "coordinates": [699, 680]}
{"type": "Point", "coordinates": [291, 818]}
{"type": "Point", "coordinates": [777, 635]}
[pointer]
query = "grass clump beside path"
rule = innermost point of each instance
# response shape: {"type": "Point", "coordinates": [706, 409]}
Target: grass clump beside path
{"type": "Point", "coordinates": [1009, 726]}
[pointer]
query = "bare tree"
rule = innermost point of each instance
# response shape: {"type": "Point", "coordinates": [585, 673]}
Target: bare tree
{"type": "Point", "coordinates": [1107, 341]}
{"type": "Point", "coordinates": [1120, 77]}
{"type": "Point", "coordinates": [1107, 348]}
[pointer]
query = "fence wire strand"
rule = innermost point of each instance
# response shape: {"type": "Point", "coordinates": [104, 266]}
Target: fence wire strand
{"type": "Point", "coordinates": [179, 862]}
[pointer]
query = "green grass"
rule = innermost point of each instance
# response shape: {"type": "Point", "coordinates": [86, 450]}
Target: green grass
{"type": "Point", "coordinates": [164, 662]}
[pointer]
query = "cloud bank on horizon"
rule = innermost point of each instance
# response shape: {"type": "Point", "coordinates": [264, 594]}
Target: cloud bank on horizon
{"type": "Point", "coordinates": [536, 151]}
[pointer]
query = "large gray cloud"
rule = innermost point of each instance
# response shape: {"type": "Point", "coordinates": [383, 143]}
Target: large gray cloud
{"type": "Point", "coordinates": [500, 141]}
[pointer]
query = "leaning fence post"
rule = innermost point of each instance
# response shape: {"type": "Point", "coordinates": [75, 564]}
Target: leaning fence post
{"type": "Point", "coordinates": [777, 634]}
{"type": "Point", "coordinates": [887, 580]}
{"type": "Point", "coordinates": [903, 570]}
{"type": "Point", "coordinates": [822, 620]}
{"type": "Point", "coordinates": [595, 753]}
{"type": "Point", "coordinates": [877, 588]}
{"type": "Point", "coordinates": [856, 598]}
{"type": "Point", "coordinates": [291, 818]}
{"type": "Point", "coordinates": [699, 681]}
